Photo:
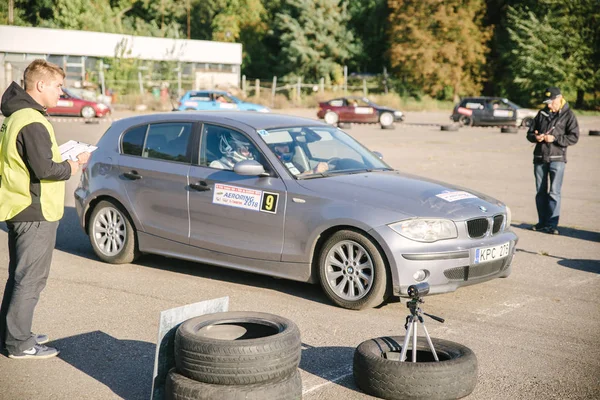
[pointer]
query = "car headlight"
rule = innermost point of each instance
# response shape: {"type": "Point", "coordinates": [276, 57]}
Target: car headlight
{"type": "Point", "coordinates": [265, 110]}
{"type": "Point", "coordinates": [508, 218]}
{"type": "Point", "coordinates": [426, 229]}
{"type": "Point", "coordinates": [398, 113]}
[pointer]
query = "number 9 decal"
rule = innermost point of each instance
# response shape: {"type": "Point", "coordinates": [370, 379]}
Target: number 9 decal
{"type": "Point", "coordinates": [269, 202]}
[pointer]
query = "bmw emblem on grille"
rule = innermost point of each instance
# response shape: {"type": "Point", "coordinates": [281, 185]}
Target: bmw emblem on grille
{"type": "Point", "coordinates": [482, 208]}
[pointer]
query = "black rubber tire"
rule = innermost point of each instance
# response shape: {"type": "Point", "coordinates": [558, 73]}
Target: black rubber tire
{"type": "Point", "coordinates": [268, 351]}
{"type": "Point", "coordinates": [594, 133]}
{"type": "Point", "coordinates": [386, 116]}
{"type": "Point", "coordinates": [379, 290]}
{"type": "Point", "coordinates": [130, 251]}
{"type": "Point", "coordinates": [344, 125]}
{"type": "Point", "coordinates": [453, 377]}
{"type": "Point", "coordinates": [452, 127]}
{"type": "Point", "coordinates": [91, 113]}
{"type": "Point", "coordinates": [178, 387]}
{"type": "Point", "coordinates": [509, 129]}
{"type": "Point", "coordinates": [526, 123]}
{"type": "Point", "coordinates": [465, 120]}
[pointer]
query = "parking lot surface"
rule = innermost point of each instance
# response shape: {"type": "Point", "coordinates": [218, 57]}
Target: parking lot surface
{"type": "Point", "coordinates": [535, 333]}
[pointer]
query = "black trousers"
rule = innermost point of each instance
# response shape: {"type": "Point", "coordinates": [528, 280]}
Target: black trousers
{"type": "Point", "coordinates": [30, 246]}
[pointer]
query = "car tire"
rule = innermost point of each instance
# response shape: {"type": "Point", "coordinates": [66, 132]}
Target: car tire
{"type": "Point", "coordinates": [88, 112]}
{"type": "Point", "coordinates": [237, 348]}
{"type": "Point", "coordinates": [190, 109]}
{"type": "Point", "coordinates": [386, 120]}
{"type": "Point", "coordinates": [344, 125]}
{"type": "Point", "coordinates": [179, 387]}
{"type": "Point", "coordinates": [452, 127]}
{"type": "Point", "coordinates": [331, 118]}
{"type": "Point", "coordinates": [340, 280]}
{"type": "Point", "coordinates": [112, 234]}
{"type": "Point", "coordinates": [526, 123]}
{"type": "Point", "coordinates": [594, 133]}
{"type": "Point", "coordinates": [509, 129]}
{"type": "Point", "coordinates": [465, 120]}
{"type": "Point", "coordinates": [453, 377]}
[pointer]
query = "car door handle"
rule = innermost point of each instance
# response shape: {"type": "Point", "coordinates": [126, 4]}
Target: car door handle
{"type": "Point", "coordinates": [200, 186]}
{"type": "Point", "coordinates": [133, 175]}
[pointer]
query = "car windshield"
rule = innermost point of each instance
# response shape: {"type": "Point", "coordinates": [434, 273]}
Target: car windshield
{"type": "Point", "coordinates": [516, 106]}
{"type": "Point", "coordinates": [320, 151]}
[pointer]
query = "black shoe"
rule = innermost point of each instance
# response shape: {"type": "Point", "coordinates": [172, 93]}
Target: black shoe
{"type": "Point", "coordinates": [551, 230]}
{"type": "Point", "coordinates": [537, 227]}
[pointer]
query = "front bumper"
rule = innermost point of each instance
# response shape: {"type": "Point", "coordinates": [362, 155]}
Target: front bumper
{"type": "Point", "coordinates": [449, 264]}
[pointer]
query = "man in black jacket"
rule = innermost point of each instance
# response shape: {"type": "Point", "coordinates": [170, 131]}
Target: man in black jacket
{"type": "Point", "coordinates": [32, 191]}
{"type": "Point", "coordinates": [553, 130]}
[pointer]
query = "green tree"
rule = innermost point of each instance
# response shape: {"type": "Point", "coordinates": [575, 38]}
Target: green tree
{"type": "Point", "coordinates": [439, 46]}
{"type": "Point", "coordinates": [313, 38]}
{"type": "Point", "coordinates": [369, 23]}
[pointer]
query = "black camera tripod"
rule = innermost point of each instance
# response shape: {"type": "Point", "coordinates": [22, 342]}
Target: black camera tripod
{"type": "Point", "coordinates": [411, 329]}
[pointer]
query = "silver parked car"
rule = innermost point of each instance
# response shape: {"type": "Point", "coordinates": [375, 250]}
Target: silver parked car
{"type": "Point", "coordinates": [287, 197]}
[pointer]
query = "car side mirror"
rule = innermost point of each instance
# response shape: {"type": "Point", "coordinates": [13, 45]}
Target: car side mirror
{"type": "Point", "coordinates": [249, 168]}
{"type": "Point", "coordinates": [378, 154]}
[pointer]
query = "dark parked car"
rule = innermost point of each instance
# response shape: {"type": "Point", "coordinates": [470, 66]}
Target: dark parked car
{"type": "Point", "coordinates": [71, 104]}
{"type": "Point", "coordinates": [491, 111]}
{"type": "Point", "coordinates": [302, 200]}
{"type": "Point", "coordinates": [358, 110]}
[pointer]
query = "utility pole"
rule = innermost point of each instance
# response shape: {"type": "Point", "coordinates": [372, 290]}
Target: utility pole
{"type": "Point", "coordinates": [11, 12]}
{"type": "Point", "coordinates": [189, 28]}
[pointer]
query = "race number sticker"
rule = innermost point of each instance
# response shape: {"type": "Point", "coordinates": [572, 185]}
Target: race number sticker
{"type": "Point", "coordinates": [503, 113]}
{"type": "Point", "coordinates": [227, 106]}
{"type": "Point", "coordinates": [190, 104]}
{"type": "Point", "coordinates": [269, 202]}
{"type": "Point", "coordinates": [363, 110]}
{"type": "Point", "coordinates": [233, 196]}
{"type": "Point", "coordinates": [249, 199]}
{"type": "Point", "coordinates": [64, 103]}
{"type": "Point", "coordinates": [454, 196]}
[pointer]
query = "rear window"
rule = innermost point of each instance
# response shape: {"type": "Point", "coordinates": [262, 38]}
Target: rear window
{"type": "Point", "coordinates": [473, 104]}
{"type": "Point", "coordinates": [133, 140]}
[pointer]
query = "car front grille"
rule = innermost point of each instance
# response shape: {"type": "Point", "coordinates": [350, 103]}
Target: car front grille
{"type": "Point", "coordinates": [476, 271]}
{"type": "Point", "coordinates": [498, 220]}
{"type": "Point", "coordinates": [477, 227]}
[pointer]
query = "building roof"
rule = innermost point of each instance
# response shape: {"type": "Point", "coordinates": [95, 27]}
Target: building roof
{"type": "Point", "coordinates": [18, 39]}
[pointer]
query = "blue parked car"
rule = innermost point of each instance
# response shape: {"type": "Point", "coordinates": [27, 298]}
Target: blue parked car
{"type": "Point", "coordinates": [215, 100]}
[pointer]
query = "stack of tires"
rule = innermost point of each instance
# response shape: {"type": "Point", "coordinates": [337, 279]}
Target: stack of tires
{"type": "Point", "coordinates": [236, 355]}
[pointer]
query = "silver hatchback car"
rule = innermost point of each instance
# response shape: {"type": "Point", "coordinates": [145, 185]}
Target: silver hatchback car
{"type": "Point", "coordinates": [287, 197]}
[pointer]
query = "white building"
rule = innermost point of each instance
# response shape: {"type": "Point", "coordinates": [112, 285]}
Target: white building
{"type": "Point", "coordinates": [207, 64]}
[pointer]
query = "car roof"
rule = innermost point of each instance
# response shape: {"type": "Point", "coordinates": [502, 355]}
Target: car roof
{"type": "Point", "coordinates": [253, 119]}
{"type": "Point", "coordinates": [207, 91]}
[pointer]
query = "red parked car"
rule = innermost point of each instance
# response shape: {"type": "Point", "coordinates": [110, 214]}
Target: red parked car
{"type": "Point", "coordinates": [358, 109]}
{"type": "Point", "coordinates": [70, 104]}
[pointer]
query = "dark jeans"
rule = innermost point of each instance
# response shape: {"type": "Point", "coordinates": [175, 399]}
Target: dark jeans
{"type": "Point", "coordinates": [548, 182]}
{"type": "Point", "coordinates": [30, 247]}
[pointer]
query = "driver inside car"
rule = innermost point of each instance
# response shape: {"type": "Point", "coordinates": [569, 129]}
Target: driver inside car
{"type": "Point", "coordinates": [234, 148]}
{"type": "Point", "coordinates": [284, 151]}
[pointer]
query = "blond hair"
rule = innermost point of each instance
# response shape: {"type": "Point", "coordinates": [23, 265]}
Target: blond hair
{"type": "Point", "coordinates": [40, 70]}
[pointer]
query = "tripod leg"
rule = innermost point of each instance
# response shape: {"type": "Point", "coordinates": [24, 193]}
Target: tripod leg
{"type": "Point", "coordinates": [414, 346]}
{"type": "Point", "coordinates": [406, 338]}
{"type": "Point", "coordinates": [430, 342]}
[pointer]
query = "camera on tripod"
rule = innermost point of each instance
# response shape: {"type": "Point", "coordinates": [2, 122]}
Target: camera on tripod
{"type": "Point", "coordinates": [418, 290]}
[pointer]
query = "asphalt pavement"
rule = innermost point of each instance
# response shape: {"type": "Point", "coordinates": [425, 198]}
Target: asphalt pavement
{"type": "Point", "coordinates": [535, 333]}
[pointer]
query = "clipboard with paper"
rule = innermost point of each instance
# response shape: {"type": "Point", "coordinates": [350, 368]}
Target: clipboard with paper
{"type": "Point", "coordinates": [72, 148]}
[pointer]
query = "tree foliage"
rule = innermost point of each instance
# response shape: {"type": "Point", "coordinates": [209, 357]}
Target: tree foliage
{"type": "Point", "coordinates": [439, 46]}
{"type": "Point", "coordinates": [313, 38]}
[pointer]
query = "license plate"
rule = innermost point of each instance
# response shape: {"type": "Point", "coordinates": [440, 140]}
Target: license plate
{"type": "Point", "coordinates": [487, 254]}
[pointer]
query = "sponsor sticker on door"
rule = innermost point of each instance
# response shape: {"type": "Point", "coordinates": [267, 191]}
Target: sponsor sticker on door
{"type": "Point", "coordinates": [249, 199]}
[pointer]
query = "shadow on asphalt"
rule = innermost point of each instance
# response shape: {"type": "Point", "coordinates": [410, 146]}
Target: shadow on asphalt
{"type": "Point", "coordinates": [124, 366]}
{"type": "Point", "coordinates": [574, 263]}
{"type": "Point", "coordinates": [333, 364]}
{"type": "Point", "coordinates": [568, 232]}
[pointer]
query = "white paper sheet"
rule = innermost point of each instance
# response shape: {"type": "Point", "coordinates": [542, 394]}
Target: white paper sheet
{"type": "Point", "coordinates": [72, 148]}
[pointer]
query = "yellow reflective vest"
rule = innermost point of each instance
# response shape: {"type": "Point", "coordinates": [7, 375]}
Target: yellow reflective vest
{"type": "Point", "coordinates": [15, 195]}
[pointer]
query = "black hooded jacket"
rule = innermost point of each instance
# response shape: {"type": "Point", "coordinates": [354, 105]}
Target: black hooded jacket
{"type": "Point", "coordinates": [35, 148]}
{"type": "Point", "coordinates": [562, 125]}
